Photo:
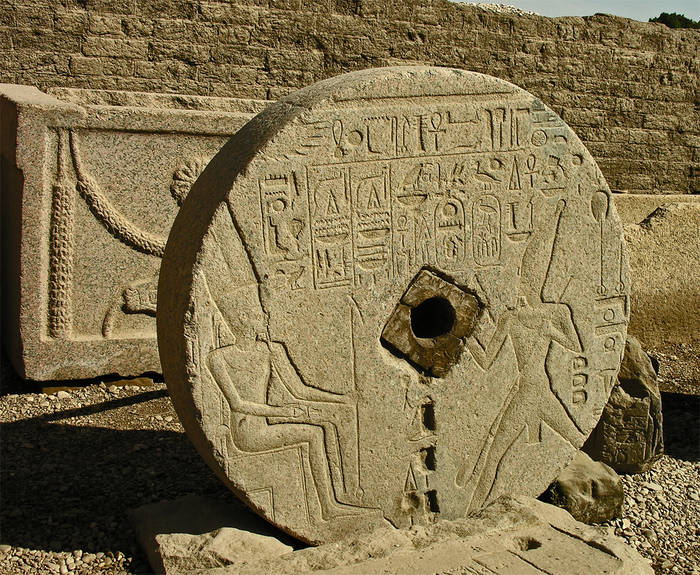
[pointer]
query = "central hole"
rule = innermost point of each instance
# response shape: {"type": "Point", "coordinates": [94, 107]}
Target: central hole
{"type": "Point", "coordinates": [432, 318]}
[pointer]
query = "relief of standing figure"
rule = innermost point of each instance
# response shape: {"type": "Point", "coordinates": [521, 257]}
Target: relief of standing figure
{"type": "Point", "coordinates": [531, 325]}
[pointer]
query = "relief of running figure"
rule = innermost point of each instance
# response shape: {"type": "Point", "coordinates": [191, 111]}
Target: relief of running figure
{"type": "Point", "coordinates": [531, 325]}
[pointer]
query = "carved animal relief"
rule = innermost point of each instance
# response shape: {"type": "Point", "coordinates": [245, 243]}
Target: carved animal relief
{"type": "Point", "coordinates": [408, 297]}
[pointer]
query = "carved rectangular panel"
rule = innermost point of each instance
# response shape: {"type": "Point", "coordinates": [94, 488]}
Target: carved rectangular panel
{"type": "Point", "coordinates": [86, 224]}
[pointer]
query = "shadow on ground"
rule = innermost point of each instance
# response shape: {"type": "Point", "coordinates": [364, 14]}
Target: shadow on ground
{"type": "Point", "coordinates": [66, 487]}
{"type": "Point", "coordinates": [681, 413]}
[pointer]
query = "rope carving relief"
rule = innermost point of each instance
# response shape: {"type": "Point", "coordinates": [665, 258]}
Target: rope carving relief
{"type": "Point", "coordinates": [112, 220]}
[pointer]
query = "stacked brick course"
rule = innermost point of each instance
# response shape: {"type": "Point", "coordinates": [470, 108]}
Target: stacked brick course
{"type": "Point", "coordinates": [631, 90]}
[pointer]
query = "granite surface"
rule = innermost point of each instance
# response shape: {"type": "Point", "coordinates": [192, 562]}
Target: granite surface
{"type": "Point", "coordinates": [451, 208]}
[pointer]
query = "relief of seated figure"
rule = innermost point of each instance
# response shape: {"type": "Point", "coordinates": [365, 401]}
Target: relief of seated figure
{"type": "Point", "coordinates": [272, 407]}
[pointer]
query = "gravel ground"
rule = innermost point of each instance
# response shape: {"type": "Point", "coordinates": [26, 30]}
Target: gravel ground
{"type": "Point", "coordinates": [678, 367]}
{"type": "Point", "coordinates": [73, 461]}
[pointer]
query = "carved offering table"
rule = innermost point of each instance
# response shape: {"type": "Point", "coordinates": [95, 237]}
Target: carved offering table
{"type": "Point", "coordinates": [392, 297]}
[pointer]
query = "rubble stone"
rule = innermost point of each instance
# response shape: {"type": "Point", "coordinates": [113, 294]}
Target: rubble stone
{"type": "Point", "coordinates": [629, 436]}
{"type": "Point", "coordinates": [195, 532]}
{"type": "Point", "coordinates": [511, 536]}
{"type": "Point", "coordinates": [590, 490]}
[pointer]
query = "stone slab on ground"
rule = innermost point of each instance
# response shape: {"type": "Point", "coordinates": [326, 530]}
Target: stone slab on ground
{"type": "Point", "coordinates": [664, 251]}
{"type": "Point", "coordinates": [117, 456]}
{"type": "Point", "coordinates": [195, 532]}
{"type": "Point", "coordinates": [91, 182]}
{"type": "Point", "coordinates": [629, 436]}
{"type": "Point", "coordinates": [590, 490]}
{"type": "Point", "coordinates": [390, 294]}
{"type": "Point", "coordinates": [512, 536]}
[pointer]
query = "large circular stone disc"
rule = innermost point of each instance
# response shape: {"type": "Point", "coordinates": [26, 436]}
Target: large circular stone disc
{"type": "Point", "coordinates": [393, 296]}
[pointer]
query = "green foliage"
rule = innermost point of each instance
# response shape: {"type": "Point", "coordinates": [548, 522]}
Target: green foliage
{"type": "Point", "coordinates": [674, 20]}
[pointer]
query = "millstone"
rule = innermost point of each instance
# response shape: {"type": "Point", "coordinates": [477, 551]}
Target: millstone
{"type": "Point", "coordinates": [392, 297]}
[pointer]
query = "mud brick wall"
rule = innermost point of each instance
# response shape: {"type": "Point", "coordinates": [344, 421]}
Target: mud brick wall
{"type": "Point", "coordinates": [629, 89]}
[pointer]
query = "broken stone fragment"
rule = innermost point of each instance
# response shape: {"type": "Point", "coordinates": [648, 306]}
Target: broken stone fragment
{"type": "Point", "coordinates": [629, 435]}
{"type": "Point", "coordinates": [590, 490]}
{"type": "Point", "coordinates": [195, 532]}
{"type": "Point", "coordinates": [511, 536]}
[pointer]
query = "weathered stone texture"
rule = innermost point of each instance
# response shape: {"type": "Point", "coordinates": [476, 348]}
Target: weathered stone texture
{"type": "Point", "coordinates": [512, 536]}
{"type": "Point", "coordinates": [193, 532]}
{"type": "Point", "coordinates": [391, 297]}
{"type": "Point", "coordinates": [665, 262]}
{"type": "Point", "coordinates": [629, 89]}
{"type": "Point", "coordinates": [629, 436]}
{"type": "Point", "coordinates": [590, 490]}
{"type": "Point", "coordinates": [663, 237]}
{"type": "Point", "coordinates": [91, 182]}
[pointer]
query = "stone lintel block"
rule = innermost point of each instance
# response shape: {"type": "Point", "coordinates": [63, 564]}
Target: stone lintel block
{"type": "Point", "coordinates": [91, 182]}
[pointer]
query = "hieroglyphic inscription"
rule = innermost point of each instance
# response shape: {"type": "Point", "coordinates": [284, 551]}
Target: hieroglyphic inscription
{"type": "Point", "coordinates": [450, 228]}
{"type": "Point", "coordinates": [399, 191]}
{"type": "Point", "coordinates": [331, 226]}
{"type": "Point", "coordinates": [284, 213]}
{"type": "Point", "coordinates": [372, 224]}
{"type": "Point", "coordinates": [486, 219]}
{"type": "Point", "coordinates": [284, 207]}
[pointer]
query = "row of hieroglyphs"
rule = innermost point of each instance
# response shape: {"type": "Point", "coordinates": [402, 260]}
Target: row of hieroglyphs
{"type": "Point", "coordinates": [374, 221]}
{"type": "Point", "coordinates": [418, 131]}
{"type": "Point", "coordinates": [377, 200]}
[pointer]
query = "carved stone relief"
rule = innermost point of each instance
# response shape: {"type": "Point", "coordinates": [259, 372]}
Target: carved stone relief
{"type": "Point", "coordinates": [136, 292]}
{"type": "Point", "coordinates": [90, 188]}
{"type": "Point", "coordinates": [410, 297]}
